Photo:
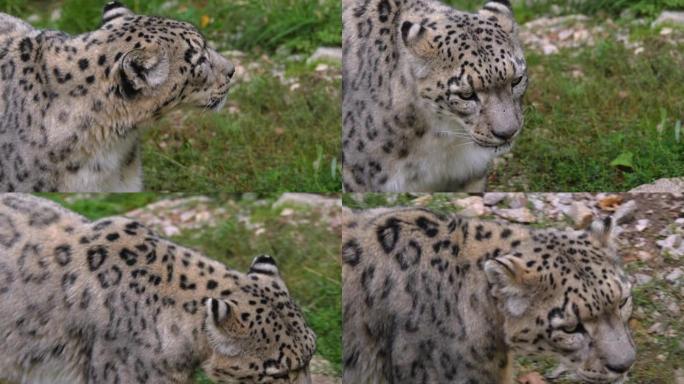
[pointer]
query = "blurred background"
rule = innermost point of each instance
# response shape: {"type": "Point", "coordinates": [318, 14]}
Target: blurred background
{"type": "Point", "coordinates": [302, 232]}
{"type": "Point", "coordinates": [280, 130]}
{"type": "Point", "coordinates": [650, 245]}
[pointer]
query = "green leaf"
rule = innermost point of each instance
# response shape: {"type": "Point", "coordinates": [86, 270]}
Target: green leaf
{"type": "Point", "coordinates": [625, 161]}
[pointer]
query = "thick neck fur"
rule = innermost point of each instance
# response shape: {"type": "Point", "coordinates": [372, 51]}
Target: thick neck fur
{"type": "Point", "coordinates": [96, 103]}
{"type": "Point", "coordinates": [418, 308]}
{"type": "Point", "coordinates": [66, 122]}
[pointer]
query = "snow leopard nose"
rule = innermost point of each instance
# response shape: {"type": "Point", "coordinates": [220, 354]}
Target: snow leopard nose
{"type": "Point", "coordinates": [622, 368]}
{"type": "Point", "coordinates": [506, 131]}
{"type": "Point", "coordinates": [503, 122]}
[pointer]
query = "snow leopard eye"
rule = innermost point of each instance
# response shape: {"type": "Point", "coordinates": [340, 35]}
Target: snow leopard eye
{"type": "Point", "coordinates": [467, 95]}
{"type": "Point", "coordinates": [517, 81]}
{"type": "Point", "coordinates": [577, 328]}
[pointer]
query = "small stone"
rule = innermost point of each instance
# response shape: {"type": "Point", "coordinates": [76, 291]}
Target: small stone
{"type": "Point", "coordinates": [322, 67]}
{"type": "Point", "coordinates": [493, 198]}
{"type": "Point", "coordinates": [644, 256]}
{"type": "Point", "coordinates": [580, 215]}
{"type": "Point", "coordinates": [671, 242]}
{"type": "Point", "coordinates": [549, 49]}
{"type": "Point", "coordinates": [565, 198]}
{"type": "Point", "coordinates": [674, 276]}
{"type": "Point", "coordinates": [661, 357]}
{"type": "Point", "coordinates": [260, 231]}
{"type": "Point", "coordinates": [187, 216]}
{"type": "Point", "coordinates": [517, 200]}
{"type": "Point", "coordinates": [324, 53]}
{"type": "Point", "coordinates": [171, 230]}
{"type": "Point", "coordinates": [642, 224]}
{"type": "Point", "coordinates": [565, 34]}
{"type": "Point", "coordinates": [520, 215]}
{"type": "Point", "coordinates": [666, 31]}
{"type": "Point", "coordinates": [657, 328]}
{"type": "Point", "coordinates": [674, 309]}
{"type": "Point", "coordinates": [642, 279]}
{"type": "Point", "coordinates": [287, 212]}
{"type": "Point", "coordinates": [308, 199]}
{"type": "Point", "coordinates": [56, 15]}
{"type": "Point", "coordinates": [473, 206]}
{"type": "Point", "coordinates": [679, 376]}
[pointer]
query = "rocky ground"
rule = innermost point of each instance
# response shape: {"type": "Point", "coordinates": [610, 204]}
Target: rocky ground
{"type": "Point", "coordinates": [651, 245]}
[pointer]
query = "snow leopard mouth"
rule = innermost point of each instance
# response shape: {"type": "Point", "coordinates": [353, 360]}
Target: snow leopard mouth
{"type": "Point", "coordinates": [216, 103]}
{"type": "Point", "coordinates": [497, 148]}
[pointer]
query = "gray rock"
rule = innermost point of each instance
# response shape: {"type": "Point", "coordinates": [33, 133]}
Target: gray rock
{"type": "Point", "coordinates": [674, 276]}
{"type": "Point", "coordinates": [642, 224]}
{"type": "Point", "coordinates": [493, 198]}
{"type": "Point", "coordinates": [669, 17]}
{"type": "Point", "coordinates": [307, 199]}
{"type": "Point", "coordinates": [473, 206]}
{"type": "Point", "coordinates": [642, 278]}
{"type": "Point", "coordinates": [328, 54]}
{"type": "Point", "coordinates": [674, 186]}
{"type": "Point", "coordinates": [580, 215]}
{"type": "Point", "coordinates": [516, 200]}
{"type": "Point", "coordinates": [520, 215]}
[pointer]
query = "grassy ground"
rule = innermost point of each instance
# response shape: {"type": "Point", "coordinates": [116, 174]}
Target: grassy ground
{"type": "Point", "coordinates": [305, 247]}
{"type": "Point", "coordinates": [623, 107]}
{"type": "Point", "coordinates": [659, 354]}
{"type": "Point", "coordinates": [271, 137]}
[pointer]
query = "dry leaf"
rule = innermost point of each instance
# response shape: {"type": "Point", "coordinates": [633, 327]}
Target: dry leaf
{"type": "Point", "coordinates": [204, 21]}
{"type": "Point", "coordinates": [531, 378]}
{"type": "Point", "coordinates": [610, 203]}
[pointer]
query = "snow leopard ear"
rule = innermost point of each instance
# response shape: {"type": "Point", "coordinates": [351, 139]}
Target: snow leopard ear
{"type": "Point", "coordinates": [418, 39]}
{"type": "Point", "coordinates": [114, 10]}
{"type": "Point", "coordinates": [605, 231]}
{"type": "Point", "coordinates": [511, 283]}
{"type": "Point", "coordinates": [143, 69]}
{"type": "Point", "coordinates": [502, 11]}
{"type": "Point", "coordinates": [224, 326]}
{"type": "Point", "coordinates": [264, 265]}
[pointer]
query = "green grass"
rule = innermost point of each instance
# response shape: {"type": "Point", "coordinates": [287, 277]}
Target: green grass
{"type": "Point", "coordinates": [624, 105]}
{"type": "Point", "coordinates": [278, 139]}
{"type": "Point", "coordinates": [95, 207]}
{"type": "Point", "coordinates": [528, 10]}
{"type": "Point", "coordinates": [306, 251]}
{"type": "Point", "coordinates": [265, 25]}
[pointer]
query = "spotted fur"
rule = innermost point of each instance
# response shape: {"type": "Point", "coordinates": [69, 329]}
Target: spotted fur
{"type": "Point", "coordinates": [70, 105]}
{"type": "Point", "coordinates": [111, 302]}
{"type": "Point", "coordinates": [430, 298]}
{"type": "Point", "coordinates": [431, 94]}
